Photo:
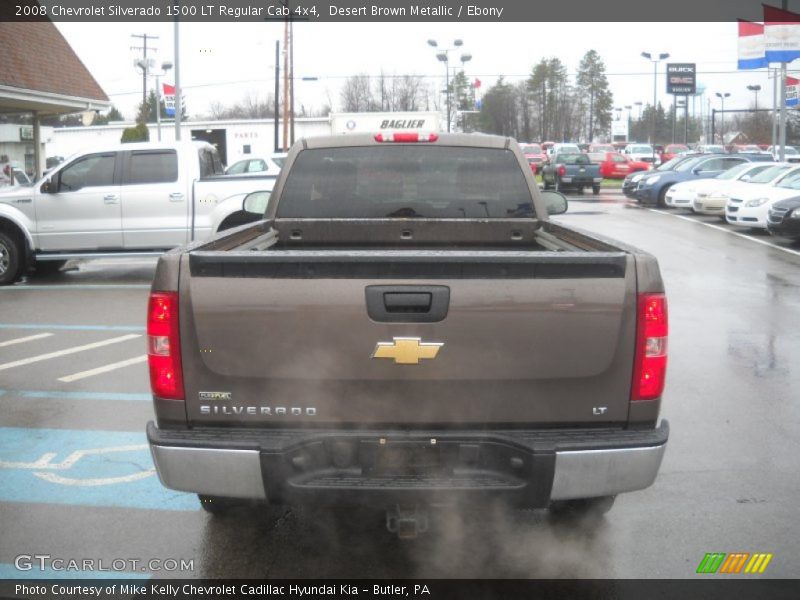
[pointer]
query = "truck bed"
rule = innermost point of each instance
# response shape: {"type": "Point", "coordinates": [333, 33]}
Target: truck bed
{"type": "Point", "coordinates": [303, 290]}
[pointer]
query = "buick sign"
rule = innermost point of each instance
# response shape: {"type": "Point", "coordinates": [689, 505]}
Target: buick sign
{"type": "Point", "coordinates": [681, 78]}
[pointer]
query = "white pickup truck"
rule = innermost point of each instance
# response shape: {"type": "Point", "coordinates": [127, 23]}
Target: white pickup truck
{"type": "Point", "coordinates": [123, 200]}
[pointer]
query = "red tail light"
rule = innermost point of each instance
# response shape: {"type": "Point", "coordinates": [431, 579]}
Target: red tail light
{"type": "Point", "coordinates": [562, 170]}
{"type": "Point", "coordinates": [164, 346]}
{"type": "Point", "coordinates": [406, 136]}
{"type": "Point", "coordinates": [650, 363]}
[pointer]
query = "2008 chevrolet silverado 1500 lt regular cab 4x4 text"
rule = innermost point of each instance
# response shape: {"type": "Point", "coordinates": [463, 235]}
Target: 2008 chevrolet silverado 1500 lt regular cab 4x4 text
{"type": "Point", "coordinates": [404, 328]}
{"type": "Point", "coordinates": [121, 200]}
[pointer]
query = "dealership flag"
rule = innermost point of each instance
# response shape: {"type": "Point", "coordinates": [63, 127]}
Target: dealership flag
{"type": "Point", "coordinates": [169, 99]}
{"type": "Point", "coordinates": [781, 34]}
{"type": "Point", "coordinates": [751, 45]}
{"type": "Point", "coordinates": [792, 91]}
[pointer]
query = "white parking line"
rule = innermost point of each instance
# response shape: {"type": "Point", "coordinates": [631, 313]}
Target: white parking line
{"type": "Point", "coordinates": [103, 369]}
{"type": "Point", "coordinates": [21, 340]}
{"type": "Point", "coordinates": [33, 359]}
{"type": "Point", "coordinates": [719, 228]}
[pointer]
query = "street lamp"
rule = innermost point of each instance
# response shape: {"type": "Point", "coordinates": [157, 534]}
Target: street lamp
{"type": "Point", "coordinates": [444, 56]}
{"type": "Point", "coordinates": [722, 97]}
{"type": "Point", "coordinates": [655, 61]}
{"type": "Point", "coordinates": [465, 58]}
{"type": "Point", "coordinates": [755, 89]}
{"type": "Point", "coordinates": [629, 108]}
{"type": "Point", "coordinates": [147, 70]}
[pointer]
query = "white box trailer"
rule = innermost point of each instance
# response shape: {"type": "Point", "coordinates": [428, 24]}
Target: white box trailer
{"type": "Point", "coordinates": [375, 122]}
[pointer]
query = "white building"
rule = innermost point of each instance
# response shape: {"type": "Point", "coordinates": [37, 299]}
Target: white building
{"type": "Point", "coordinates": [241, 138]}
{"type": "Point", "coordinates": [235, 139]}
{"type": "Point", "coordinates": [17, 145]}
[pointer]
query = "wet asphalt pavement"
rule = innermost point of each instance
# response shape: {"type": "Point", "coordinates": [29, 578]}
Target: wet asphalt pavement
{"type": "Point", "coordinates": [730, 481]}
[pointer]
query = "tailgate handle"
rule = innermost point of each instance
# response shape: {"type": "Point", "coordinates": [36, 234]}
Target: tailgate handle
{"type": "Point", "coordinates": [404, 302]}
{"type": "Point", "coordinates": [407, 303]}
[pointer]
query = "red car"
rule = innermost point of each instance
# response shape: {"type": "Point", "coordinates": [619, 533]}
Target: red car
{"type": "Point", "coordinates": [614, 165]}
{"type": "Point", "coordinates": [672, 150]}
{"type": "Point", "coordinates": [535, 155]}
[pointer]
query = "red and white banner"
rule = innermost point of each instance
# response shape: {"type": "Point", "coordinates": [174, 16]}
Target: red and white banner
{"type": "Point", "coordinates": [751, 46]}
{"type": "Point", "coordinates": [781, 34]}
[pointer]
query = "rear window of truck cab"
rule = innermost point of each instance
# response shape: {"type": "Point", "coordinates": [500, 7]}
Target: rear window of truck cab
{"type": "Point", "coordinates": [406, 181]}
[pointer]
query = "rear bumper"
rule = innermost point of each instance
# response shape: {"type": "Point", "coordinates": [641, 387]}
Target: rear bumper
{"type": "Point", "coordinates": [523, 468]}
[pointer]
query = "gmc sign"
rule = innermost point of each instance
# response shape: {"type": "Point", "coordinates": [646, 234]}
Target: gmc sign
{"type": "Point", "coordinates": [681, 78]}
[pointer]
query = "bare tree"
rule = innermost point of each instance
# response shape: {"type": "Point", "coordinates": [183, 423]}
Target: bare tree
{"type": "Point", "coordinates": [356, 94]}
{"type": "Point", "coordinates": [410, 93]}
{"type": "Point", "coordinates": [252, 106]}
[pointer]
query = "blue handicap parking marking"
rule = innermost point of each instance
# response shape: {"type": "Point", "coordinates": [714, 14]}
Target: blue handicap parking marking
{"type": "Point", "coordinates": [89, 468]}
{"type": "Point", "coordinates": [34, 571]}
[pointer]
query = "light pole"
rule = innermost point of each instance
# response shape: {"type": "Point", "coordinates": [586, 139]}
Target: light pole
{"type": "Point", "coordinates": [465, 58]}
{"type": "Point", "coordinates": [722, 97]}
{"type": "Point", "coordinates": [755, 89]}
{"type": "Point", "coordinates": [629, 108]}
{"type": "Point", "coordinates": [655, 61]}
{"type": "Point", "coordinates": [444, 56]}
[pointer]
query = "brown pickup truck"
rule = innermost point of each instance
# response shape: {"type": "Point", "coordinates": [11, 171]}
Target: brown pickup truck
{"type": "Point", "coordinates": [405, 326]}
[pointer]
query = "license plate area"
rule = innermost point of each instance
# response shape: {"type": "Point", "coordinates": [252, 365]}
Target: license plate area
{"type": "Point", "coordinates": [406, 458]}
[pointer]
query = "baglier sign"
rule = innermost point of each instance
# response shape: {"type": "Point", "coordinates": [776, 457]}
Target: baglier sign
{"type": "Point", "coordinates": [681, 78]}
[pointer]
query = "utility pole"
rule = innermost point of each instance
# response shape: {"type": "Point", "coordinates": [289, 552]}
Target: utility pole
{"type": "Point", "coordinates": [277, 92]}
{"type": "Point", "coordinates": [144, 37]}
{"type": "Point", "coordinates": [591, 111]}
{"type": "Point", "coordinates": [291, 79]}
{"type": "Point", "coordinates": [178, 92]}
{"type": "Point", "coordinates": [774, 74]}
{"type": "Point", "coordinates": [285, 84]}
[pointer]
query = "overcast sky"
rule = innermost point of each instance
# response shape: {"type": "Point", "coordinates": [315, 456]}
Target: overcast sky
{"type": "Point", "coordinates": [225, 61]}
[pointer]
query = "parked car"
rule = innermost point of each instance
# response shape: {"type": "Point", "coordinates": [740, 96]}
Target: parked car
{"type": "Point", "coordinates": [602, 148]}
{"type": "Point", "coordinates": [749, 208]}
{"type": "Point", "coordinates": [712, 199]}
{"type": "Point", "coordinates": [710, 149]}
{"type": "Point", "coordinates": [614, 165]}
{"type": "Point", "coordinates": [684, 194]}
{"type": "Point", "coordinates": [783, 218]}
{"type": "Point", "coordinates": [673, 150]}
{"type": "Point", "coordinates": [534, 155]}
{"type": "Point", "coordinates": [259, 166]}
{"type": "Point", "coordinates": [791, 154]}
{"type": "Point", "coordinates": [136, 199]}
{"type": "Point", "coordinates": [642, 152]}
{"type": "Point", "coordinates": [653, 188]}
{"type": "Point", "coordinates": [562, 147]}
{"type": "Point", "coordinates": [279, 158]}
{"type": "Point", "coordinates": [631, 182]}
{"type": "Point", "coordinates": [748, 148]}
{"type": "Point", "coordinates": [20, 177]}
{"type": "Point", "coordinates": [572, 170]}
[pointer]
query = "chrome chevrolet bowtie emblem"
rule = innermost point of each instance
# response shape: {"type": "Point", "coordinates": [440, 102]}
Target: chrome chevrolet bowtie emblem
{"type": "Point", "coordinates": [407, 350]}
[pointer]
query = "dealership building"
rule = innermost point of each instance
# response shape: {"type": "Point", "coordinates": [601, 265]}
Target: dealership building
{"type": "Point", "coordinates": [49, 81]}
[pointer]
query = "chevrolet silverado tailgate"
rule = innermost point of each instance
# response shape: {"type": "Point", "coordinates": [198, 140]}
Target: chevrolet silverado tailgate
{"type": "Point", "coordinates": [291, 337]}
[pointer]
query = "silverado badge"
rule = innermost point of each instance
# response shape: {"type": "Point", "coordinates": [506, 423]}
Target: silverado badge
{"type": "Point", "coordinates": [407, 350]}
